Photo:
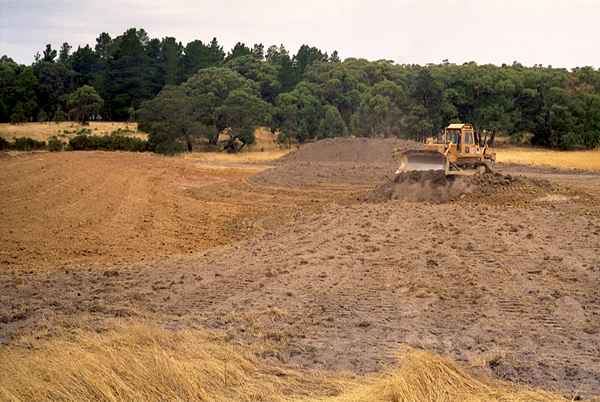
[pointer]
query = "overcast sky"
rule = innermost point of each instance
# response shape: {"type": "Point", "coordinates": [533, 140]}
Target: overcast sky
{"type": "Point", "coordinates": [550, 32]}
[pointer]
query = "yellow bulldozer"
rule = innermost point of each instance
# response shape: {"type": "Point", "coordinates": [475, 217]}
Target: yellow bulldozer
{"type": "Point", "coordinates": [459, 150]}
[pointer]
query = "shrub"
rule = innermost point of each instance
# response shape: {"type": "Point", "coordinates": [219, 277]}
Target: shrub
{"type": "Point", "coordinates": [168, 148]}
{"type": "Point", "coordinates": [83, 131]}
{"type": "Point", "coordinates": [42, 116]}
{"type": "Point", "coordinates": [59, 116]}
{"type": "Point", "coordinates": [55, 144]}
{"type": "Point", "coordinates": [28, 144]}
{"type": "Point", "coordinates": [4, 144]}
{"type": "Point", "coordinates": [113, 142]}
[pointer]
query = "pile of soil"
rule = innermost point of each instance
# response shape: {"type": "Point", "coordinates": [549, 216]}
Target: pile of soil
{"type": "Point", "coordinates": [337, 162]}
{"type": "Point", "coordinates": [435, 186]}
{"type": "Point", "coordinates": [350, 149]}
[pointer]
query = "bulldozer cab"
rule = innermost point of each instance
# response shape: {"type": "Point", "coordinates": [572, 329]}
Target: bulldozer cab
{"type": "Point", "coordinates": [462, 136]}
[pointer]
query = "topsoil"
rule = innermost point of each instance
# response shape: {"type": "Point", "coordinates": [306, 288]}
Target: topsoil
{"type": "Point", "coordinates": [501, 272]}
{"type": "Point", "coordinates": [436, 187]}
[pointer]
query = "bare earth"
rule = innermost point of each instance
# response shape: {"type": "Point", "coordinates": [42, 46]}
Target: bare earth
{"type": "Point", "coordinates": [303, 257]}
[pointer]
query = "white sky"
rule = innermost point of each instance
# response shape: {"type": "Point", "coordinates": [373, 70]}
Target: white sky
{"type": "Point", "coordinates": [561, 33]}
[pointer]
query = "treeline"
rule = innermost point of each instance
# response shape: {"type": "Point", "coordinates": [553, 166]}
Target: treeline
{"type": "Point", "coordinates": [125, 71]}
{"type": "Point", "coordinates": [204, 91]}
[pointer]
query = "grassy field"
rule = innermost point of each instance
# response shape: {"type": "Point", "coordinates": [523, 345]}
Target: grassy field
{"type": "Point", "coordinates": [43, 131]}
{"type": "Point", "coordinates": [585, 160]}
{"type": "Point", "coordinates": [146, 363]}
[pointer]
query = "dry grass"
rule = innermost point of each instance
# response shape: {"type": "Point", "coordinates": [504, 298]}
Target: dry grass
{"type": "Point", "coordinates": [43, 131]}
{"type": "Point", "coordinates": [586, 160]}
{"type": "Point", "coordinates": [143, 363]}
{"type": "Point", "coordinates": [425, 377]}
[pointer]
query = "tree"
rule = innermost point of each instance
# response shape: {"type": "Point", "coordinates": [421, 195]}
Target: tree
{"type": "Point", "coordinates": [258, 51]}
{"type": "Point", "coordinates": [87, 66]}
{"type": "Point", "coordinates": [242, 112]}
{"type": "Point", "coordinates": [305, 57]}
{"type": "Point", "coordinates": [209, 88]}
{"type": "Point", "coordinates": [334, 58]}
{"type": "Point", "coordinates": [103, 46]}
{"type": "Point", "coordinates": [59, 115]}
{"type": "Point", "coordinates": [49, 54]}
{"type": "Point", "coordinates": [195, 57]}
{"type": "Point", "coordinates": [298, 113]}
{"type": "Point", "coordinates": [170, 58]}
{"type": "Point", "coordinates": [84, 104]}
{"type": "Point", "coordinates": [216, 55]}
{"type": "Point", "coordinates": [332, 124]}
{"type": "Point", "coordinates": [54, 82]}
{"type": "Point", "coordinates": [381, 110]}
{"type": "Point", "coordinates": [212, 100]}
{"type": "Point", "coordinates": [239, 50]}
{"type": "Point", "coordinates": [131, 75]}
{"type": "Point", "coordinates": [65, 53]}
{"type": "Point", "coordinates": [280, 58]}
{"type": "Point", "coordinates": [264, 74]}
{"type": "Point", "coordinates": [427, 93]}
{"type": "Point", "coordinates": [18, 115]}
{"type": "Point", "coordinates": [171, 118]}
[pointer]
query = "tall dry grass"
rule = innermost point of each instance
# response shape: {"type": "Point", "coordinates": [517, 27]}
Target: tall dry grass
{"type": "Point", "coordinates": [68, 129]}
{"type": "Point", "coordinates": [145, 363]}
{"type": "Point", "coordinates": [422, 376]}
{"type": "Point", "coordinates": [585, 160]}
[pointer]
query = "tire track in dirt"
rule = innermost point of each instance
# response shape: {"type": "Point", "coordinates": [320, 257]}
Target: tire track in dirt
{"type": "Point", "coordinates": [498, 281]}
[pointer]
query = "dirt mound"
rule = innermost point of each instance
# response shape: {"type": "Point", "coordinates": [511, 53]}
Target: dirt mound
{"type": "Point", "coordinates": [336, 162]}
{"type": "Point", "coordinates": [435, 186]}
{"type": "Point", "coordinates": [352, 149]}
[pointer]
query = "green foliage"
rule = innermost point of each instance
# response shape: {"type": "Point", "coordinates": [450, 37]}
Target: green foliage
{"type": "Point", "coordinates": [113, 142]}
{"type": "Point", "coordinates": [242, 112]}
{"type": "Point", "coordinates": [381, 110]}
{"type": "Point", "coordinates": [332, 124]}
{"type": "Point", "coordinates": [27, 144]}
{"type": "Point", "coordinates": [59, 115]}
{"type": "Point", "coordinates": [170, 118]}
{"type": "Point", "coordinates": [84, 103]}
{"type": "Point", "coordinates": [212, 100]}
{"type": "Point", "coordinates": [558, 107]}
{"type": "Point", "coordinates": [264, 74]}
{"type": "Point", "coordinates": [298, 113]}
{"type": "Point", "coordinates": [42, 116]}
{"type": "Point", "coordinates": [239, 50]}
{"type": "Point", "coordinates": [55, 144]}
{"type": "Point", "coordinates": [19, 115]}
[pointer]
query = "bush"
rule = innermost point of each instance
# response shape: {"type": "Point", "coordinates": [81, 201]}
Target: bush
{"type": "Point", "coordinates": [168, 148]}
{"type": "Point", "coordinates": [4, 144]}
{"type": "Point", "coordinates": [28, 144]}
{"type": "Point", "coordinates": [521, 138]}
{"type": "Point", "coordinates": [42, 116]}
{"type": "Point", "coordinates": [55, 144]}
{"type": "Point", "coordinates": [113, 142]}
{"type": "Point", "coordinates": [59, 116]}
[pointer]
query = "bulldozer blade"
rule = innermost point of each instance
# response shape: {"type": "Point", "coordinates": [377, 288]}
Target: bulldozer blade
{"type": "Point", "coordinates": [421, 160]}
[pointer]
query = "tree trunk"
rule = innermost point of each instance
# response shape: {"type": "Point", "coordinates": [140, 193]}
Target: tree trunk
{"type": "Point", "coordinates": [214, 140]}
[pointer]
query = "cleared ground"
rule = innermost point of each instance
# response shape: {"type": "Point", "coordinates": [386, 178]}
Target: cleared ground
{"type": "Point", "coordinates": [103, 207]}
{"type": "Point", "coordinates": [291, 260]}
